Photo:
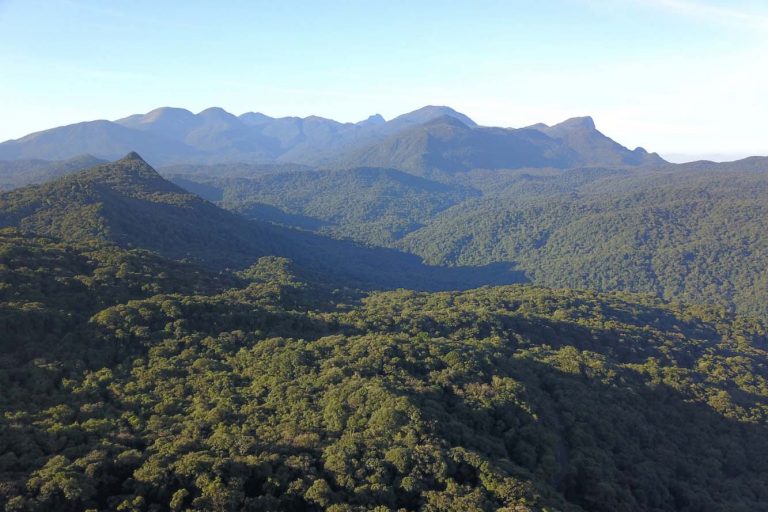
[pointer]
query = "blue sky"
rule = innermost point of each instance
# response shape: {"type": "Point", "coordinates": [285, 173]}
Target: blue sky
{"type": "Point", "coordinates": [682, 77]}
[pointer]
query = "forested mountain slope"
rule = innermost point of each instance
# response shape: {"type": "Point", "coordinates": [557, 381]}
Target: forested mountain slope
{"type": "Point", "coordinates": [691, 232]}
{"type": "Point", "coordinates": [371, 205]}
{"type": "Point", "coordinates": [693, 235]}
{"type": "Point", "coordinates": [128, 204]}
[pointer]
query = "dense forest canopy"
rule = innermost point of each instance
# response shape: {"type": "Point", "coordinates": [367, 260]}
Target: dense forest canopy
{"type": "Point", "coordinates": [692, 232]}
{"type": "Point", "coordinates": [263, 392]}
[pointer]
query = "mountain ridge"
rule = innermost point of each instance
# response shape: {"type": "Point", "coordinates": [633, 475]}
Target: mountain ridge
{"type": "Point", "coordinates": [170, 135]}
{"type": "Point", "coordinates": [129, 204]}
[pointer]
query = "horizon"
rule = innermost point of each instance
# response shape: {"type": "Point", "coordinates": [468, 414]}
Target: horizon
{"type": "Point", "coordinates": [680, 78]}
{"type": "Point", "coordinates": [670, 157]}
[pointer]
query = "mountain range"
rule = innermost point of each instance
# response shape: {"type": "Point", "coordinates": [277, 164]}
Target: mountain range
{"type": "Point", "coordinates": [430, 138]}
{"type": "Point", "coordinates": [274, 336]}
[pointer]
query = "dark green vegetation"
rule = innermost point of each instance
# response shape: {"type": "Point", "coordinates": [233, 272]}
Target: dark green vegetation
{"type": "Point", "coordinates": [134, 383]}
{"type": "Point", "coordinates": [128, 204]}
{"type": "Point", "coordinates": [694, 232]}
{"type": "Point", "coordinates": [376, 206]}
{"type": "Point", "coordinates": [697, 236]}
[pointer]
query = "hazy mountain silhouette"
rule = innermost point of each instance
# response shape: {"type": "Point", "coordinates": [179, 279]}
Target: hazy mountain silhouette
{"type": "Point", "coordinates": [594, 148]}
{"type": "Point", "coordinates": [432, 137]}
{"type": "Point", "coordinates": [20, 173]}
{"type": "Point", "coordinates": [448, 144]}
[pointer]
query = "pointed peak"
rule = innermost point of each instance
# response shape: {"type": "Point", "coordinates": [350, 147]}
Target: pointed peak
{"type": "Point", "coordinates": [132, 157]}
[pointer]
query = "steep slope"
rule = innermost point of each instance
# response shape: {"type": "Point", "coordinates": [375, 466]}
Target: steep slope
{"type": "Point", "coordinates": [127, 203]}
{"type": "Point", "coordinates": [595, 149]}
{"type": "Point", "coordinates": [448, 145]}
{"type": "Point", "coordinates": [370, 205]}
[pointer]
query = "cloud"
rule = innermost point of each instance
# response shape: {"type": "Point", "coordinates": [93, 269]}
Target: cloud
{"type": "Point", "coordinates": [736, 16]}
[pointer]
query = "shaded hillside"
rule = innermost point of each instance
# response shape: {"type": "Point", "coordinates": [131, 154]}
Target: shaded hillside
{"type": "Point", "coordinates": [127, 203]}
{"type": "Point", "coordinates": [689, 232]}
{"type": "Point", "coordinates": [370, 205]}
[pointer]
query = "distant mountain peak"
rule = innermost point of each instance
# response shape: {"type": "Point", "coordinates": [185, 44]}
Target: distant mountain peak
{"type": "Point", "coordinates": [216, 112]}
{"type": "Point", "coordinates": [430, 112]}
{"type": "Point", "coordinates": [164, 111]}
{"type": "Point", "coordinates": [578, 122]}
{"type": "Point", "coordinates": [372, 120]}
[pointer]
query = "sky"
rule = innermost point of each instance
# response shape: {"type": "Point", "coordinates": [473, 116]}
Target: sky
{"type": "Point", "coordinates": [685, 78]}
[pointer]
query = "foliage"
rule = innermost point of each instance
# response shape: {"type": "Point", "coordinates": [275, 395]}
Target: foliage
{"type": "Point", "coordinates": [691, 232]}
{"type": "Point", "coordinates": [375, 206]}
{"type": "Point", "coordinates": [267, 396]}
{"type": "Point", "coordinates": [696, 236]}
